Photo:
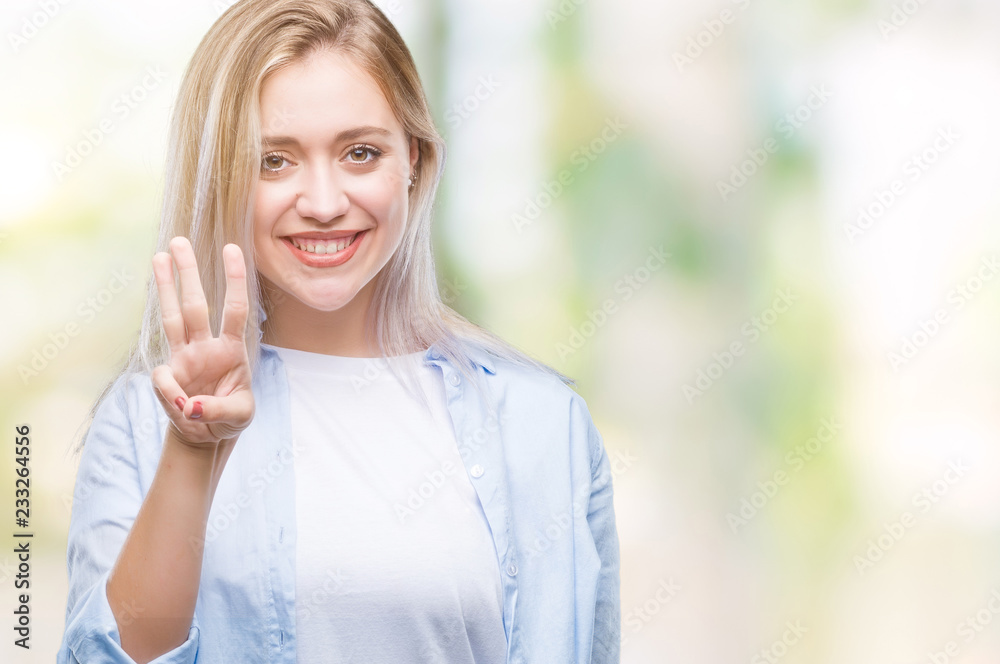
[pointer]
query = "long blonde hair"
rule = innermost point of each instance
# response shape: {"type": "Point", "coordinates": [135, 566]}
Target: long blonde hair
{"type": "Point", "coordinates": [213, 163]}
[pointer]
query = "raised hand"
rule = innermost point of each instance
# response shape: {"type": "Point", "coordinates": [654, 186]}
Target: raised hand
{"type": "Point", "coordinates": [205, 388]}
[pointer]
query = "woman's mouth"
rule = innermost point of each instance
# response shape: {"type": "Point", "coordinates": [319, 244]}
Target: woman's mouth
{"type": "Point", "coordinates": [324, 253]}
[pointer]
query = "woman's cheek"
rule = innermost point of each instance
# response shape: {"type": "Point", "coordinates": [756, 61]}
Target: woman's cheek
{"type": "Point", "coordinates": [261, 206]}
{"type": "Point", "coordinates": [373, 201]}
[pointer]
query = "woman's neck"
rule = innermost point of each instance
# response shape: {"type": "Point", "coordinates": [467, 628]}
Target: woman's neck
{"type": "Point", "coordinates": [292, 324]}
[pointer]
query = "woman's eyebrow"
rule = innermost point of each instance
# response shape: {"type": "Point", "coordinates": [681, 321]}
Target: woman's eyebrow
{"type": "Point", "coordinates": [346, 135]}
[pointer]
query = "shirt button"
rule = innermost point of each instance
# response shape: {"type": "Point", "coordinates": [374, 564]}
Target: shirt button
{"type": "Point", "coordinates": [477, 471]}
{"type": "Point", "coordinates": [454, 379]}
{"type": "Point", "coordinates": [512, 569]}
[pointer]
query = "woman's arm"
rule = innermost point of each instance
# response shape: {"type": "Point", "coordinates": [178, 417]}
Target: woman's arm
{"type": "Point", "coordinates": [106, 499]}
{"type": "Point", "coordinates": [601, 518]}
{"type": "Point", "coordinates": [153, 586]}
{"type": "Point", "coordinates": [205, 391]}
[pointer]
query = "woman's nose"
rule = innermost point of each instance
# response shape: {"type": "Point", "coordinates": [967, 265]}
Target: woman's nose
{"type": "Point", "coordinates": [322, 196]}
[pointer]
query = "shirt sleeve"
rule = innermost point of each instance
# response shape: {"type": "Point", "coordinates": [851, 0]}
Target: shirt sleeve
{"type": "Point", "coordinates": [601, 517]}
{"type": "Point", "coordinates": [106, 499]}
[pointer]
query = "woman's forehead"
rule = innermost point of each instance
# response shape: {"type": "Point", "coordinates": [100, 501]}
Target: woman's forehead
{"type": "Point", "coordinates": [325, 92]}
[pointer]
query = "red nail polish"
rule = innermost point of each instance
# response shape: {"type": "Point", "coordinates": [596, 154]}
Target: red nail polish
{"type": "Point", "coordinates": [180, 403]}
{"type": "Point", "coordinates": [196, 410]}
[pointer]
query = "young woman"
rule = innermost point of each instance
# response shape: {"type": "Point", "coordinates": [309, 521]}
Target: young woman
{"type": "Point", "coordinates": [348, 471]}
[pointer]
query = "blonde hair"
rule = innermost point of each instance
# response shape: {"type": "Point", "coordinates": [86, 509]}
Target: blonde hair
{"type": "Point", "coordinates": [213, 164]}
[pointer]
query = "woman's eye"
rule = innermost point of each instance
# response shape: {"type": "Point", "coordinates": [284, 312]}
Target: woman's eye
{"type": "Point", "coordinates": [358, 153]}
{"type": "Point", "coordinates": [272, 162]}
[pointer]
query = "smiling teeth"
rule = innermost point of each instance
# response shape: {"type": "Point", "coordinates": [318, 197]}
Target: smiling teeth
{"type": "Point", "coordinates": [331, 248]}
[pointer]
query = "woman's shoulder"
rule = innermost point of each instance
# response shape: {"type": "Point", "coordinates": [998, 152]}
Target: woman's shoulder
{"type": "Point", "coordinates": [532, 385]}
{"type": "Point", "coordinates": [128, 392]}
{"type": "Point", "coordinates": [542, 400]}
{"type": "Point", "coordinates": [123, 416]}
{"type": "Point", "coordinates": [514, 367]}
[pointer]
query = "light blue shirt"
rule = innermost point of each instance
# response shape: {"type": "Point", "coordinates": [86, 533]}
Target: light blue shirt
{"type": "Point", "coordinates": [539, 468]}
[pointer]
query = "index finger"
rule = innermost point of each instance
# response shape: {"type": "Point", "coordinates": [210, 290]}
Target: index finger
{"type": "Point", "coordinates": [236, 307]}
{"type": "Point", "coordinates": [194, 306]}
{"type": "Point", "coordinates": [170, 310]}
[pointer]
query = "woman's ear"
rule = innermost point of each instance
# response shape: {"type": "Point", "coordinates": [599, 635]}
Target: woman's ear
{"type": "Point", "coordinates": [414, 152]}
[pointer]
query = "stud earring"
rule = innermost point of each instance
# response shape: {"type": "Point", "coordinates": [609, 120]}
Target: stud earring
{"type": "Point", "coordinates": [413, 180]}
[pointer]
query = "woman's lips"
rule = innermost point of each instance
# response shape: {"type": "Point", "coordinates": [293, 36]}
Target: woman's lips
{"type": "Point", "coordinates": [325, 260]}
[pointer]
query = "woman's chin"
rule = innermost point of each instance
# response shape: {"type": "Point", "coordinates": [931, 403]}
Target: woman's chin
{"type": "Point", "coordinates": [327, 305]}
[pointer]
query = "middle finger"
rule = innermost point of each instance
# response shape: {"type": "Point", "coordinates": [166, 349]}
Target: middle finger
{"type": "Point", "coordinates": [193, 303]}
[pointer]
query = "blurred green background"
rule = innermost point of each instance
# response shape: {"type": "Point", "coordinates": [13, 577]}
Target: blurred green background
{"type": "Point", "coordinates": [761, 234]}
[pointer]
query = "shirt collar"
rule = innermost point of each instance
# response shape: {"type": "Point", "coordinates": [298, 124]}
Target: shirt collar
{"type": "Point", "coordinates": [476, 353]}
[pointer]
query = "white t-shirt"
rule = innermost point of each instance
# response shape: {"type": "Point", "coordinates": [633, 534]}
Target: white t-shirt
{"type": "Point", "coordinates": [394, 559]}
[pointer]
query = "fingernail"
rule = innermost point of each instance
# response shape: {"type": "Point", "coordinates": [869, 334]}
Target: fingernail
{"type": "Point", "coordinates": [180, 403]}
{"type": "Point", "coordinates": [196, 410]}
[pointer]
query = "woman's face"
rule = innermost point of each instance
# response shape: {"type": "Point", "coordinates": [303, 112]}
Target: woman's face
{"type": "Point", "coordinates": [331, 202]}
